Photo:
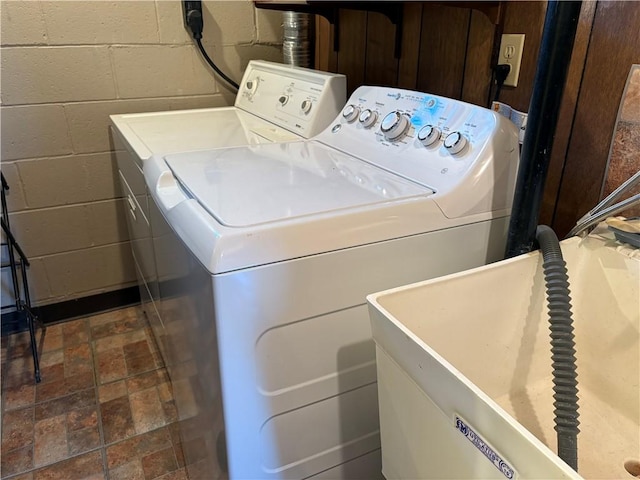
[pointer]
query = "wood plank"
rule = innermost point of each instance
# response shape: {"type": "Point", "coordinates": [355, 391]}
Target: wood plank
{"type": "Point", "coordinates": [567, 112]}
{"type": "Point", "coordinates": [381, 68]}
{"type": "Point", "coordinates": [614, 47]}
{"type": "Point", "coordinates": [443, 45]}
{"type": "Point", "coordinates": [325, 57]}
{"type": "Point", "coordinates": [477, 70]}
{"type": "Point", "coordinates": [491, 10]}
{"type": "Point", "coordinates": [527, 18]}
{"type": "Point", "coordinates": [352, 33]}
{"type": "Point", "coordinates": [408, 63]}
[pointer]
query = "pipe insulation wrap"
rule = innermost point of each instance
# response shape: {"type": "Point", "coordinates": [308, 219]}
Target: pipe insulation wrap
{"type": "Point", "coordinates": [565, 383]}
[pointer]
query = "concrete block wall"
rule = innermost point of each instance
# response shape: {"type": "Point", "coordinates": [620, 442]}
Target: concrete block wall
{"type": "Point", "coordinates": [65, 67]}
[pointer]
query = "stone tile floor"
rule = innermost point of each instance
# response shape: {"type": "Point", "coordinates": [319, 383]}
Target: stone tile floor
{"type": "Point", "coordinates": [104, 408]}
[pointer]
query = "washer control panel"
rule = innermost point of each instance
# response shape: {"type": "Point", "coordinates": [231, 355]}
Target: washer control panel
{"type": "Point", "coordinates": [301, 100]}
{"type": "Point", "coordinates": [438, 142]}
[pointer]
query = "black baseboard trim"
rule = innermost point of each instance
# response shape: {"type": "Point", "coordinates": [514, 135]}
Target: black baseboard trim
{"type": "Point", "coordinates": [85, 306]}
{"type": "Point", "coordinates": [79, 307]}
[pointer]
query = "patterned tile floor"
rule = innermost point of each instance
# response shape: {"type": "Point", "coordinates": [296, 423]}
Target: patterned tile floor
{"type": "Point", "coordinates": [104, 408]}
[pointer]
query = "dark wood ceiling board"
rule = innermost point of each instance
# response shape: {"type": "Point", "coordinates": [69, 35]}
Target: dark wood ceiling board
{"type": "Point", "coordinates": [527, 18]}
{"type": "Point", "coordinates": [352, 32]}
{"type": "Point", "coordinates": [477, 70]}
{"type": "Point", "coordinates": [443, 45]}
{"type": "Point", "coordinates": [567, 112]}
{"type": "Point", "coordinates": [614, 47]}
{"type": "Point", "coordinates": [381, 65]}
{"type": "Point", "coordinates": [408, 63]}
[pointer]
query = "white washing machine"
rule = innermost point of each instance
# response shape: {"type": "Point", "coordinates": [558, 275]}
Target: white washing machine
{"type": "Point", "coordinates": [272, 249]}
{"type": "Point", "coordinates": [275, 103]}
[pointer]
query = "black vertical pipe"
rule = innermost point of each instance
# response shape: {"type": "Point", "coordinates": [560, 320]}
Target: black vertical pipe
{"type": "Point", "coordinates": [560, 25]}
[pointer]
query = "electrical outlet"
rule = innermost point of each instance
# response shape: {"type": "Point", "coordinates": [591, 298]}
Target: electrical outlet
{"type": "Point", "coordinates": [511, 48]}
{"type": "Point", "coordinates": [189, 6]}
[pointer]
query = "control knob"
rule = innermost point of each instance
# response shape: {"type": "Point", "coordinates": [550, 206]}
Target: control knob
{"type": "Point", "coordinates": [428, 135]}
{"type": "Point", "coordinates": [368, 118]}
{"type": "Point", "coordinates": [455, 142]}
{"type": "Point", "coordinates": [306, 106]}
{"type": "Point", "coordinates": [350, 113]}
{"type": "Point", "coordinates": [394, 125]}
{"type": "Point", "coordinates": [283, 99]}
{"type": "Point", "coordinates": [252, 85]}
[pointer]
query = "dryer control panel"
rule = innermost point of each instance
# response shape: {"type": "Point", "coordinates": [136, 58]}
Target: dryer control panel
{"type": "Point", "coordinates": [441, 143]}
{"type": "Point", "coordinates": [301, 100]}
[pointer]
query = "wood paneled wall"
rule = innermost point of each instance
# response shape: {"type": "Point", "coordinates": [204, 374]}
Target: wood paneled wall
{"type": "Point", "coordinates": [447, 50]}
{"type": "Point", "coordinates": [614, 45]}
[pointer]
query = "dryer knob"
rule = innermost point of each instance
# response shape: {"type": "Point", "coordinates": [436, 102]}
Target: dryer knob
{"type": "Point", "coordinates": [394, 125]}
{"type": "Point", "coordinates": [368, 118]}
{"type": "Point", "coordinates": [283, 99]}
{"type": "Point", "coordinates": [350, 113]}
{"type": "Point", "coordinates": [428, 135]}
{"type": "Point", "coordinates": [306, 106]}
{"type": "Point", "coordinates": [252, 85]}
{"type": "Point", "coordinates": [455, 142]}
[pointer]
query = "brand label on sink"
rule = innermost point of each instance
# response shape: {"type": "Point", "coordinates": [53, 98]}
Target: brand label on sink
{"type": "Point", "coordinates": [487, 450]}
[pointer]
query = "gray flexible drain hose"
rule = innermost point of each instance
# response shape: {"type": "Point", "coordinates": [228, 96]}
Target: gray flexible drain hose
{"type": "Point", "coordinates": [562, 346]}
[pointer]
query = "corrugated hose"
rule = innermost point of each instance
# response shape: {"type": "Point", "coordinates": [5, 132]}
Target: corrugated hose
{"type": "Point", "coordinates": [565, 383]}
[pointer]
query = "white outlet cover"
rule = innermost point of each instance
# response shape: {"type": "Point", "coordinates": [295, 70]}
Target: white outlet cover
{"type": "Point", "coordinates": [511, 48]}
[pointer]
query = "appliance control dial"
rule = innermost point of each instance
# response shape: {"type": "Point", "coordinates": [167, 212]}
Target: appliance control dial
{"type": "Point", "coordinates": [283, 99]}
{"type": "Point", "coordinates": [306, 106]}
{"type": "Point", "coordinates": [368, 118]}
{"type": "Point", "coordinates": [252, 85]}
{"type": "Point", "coordinates": [428, 135]}
{"type": "Point", "coordinates": [455, 142]}
{"type": "Point", "coordinates": [350, 113]}
{"type": "Point", "coordinates": [394, 125]}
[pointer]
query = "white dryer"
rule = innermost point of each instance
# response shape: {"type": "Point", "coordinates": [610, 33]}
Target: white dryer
{"type": "Point", "coordinates": [274, 247]}
{"type": "Point", "coordinates": [275, 103]}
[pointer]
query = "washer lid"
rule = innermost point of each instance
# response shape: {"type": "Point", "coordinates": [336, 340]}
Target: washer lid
{"type": "Point", "coordinates": [253, 185]}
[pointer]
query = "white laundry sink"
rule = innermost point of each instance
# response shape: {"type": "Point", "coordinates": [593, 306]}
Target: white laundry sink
{"type": "Point", "coordinates": [464, 369]}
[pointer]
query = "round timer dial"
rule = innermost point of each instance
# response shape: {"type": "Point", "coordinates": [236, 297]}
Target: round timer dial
{"type": "Point", "coordinates": [394, 125]}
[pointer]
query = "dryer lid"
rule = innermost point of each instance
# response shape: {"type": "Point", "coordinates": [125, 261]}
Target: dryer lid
{"type": "Point", "coordinates": [253, 185]}
{"type": "Point", "coordinates": [202, 129]}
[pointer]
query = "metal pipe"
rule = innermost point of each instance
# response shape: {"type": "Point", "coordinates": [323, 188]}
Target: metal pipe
{"type": "Point", "coordinates": [600, 215]}
{"type": "Point", "coordinates": [296, 48]}
{"type": "Point", "coordinates": [560, 25]}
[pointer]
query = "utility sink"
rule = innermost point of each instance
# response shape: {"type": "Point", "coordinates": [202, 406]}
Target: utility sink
{"type": "Point", "coordinates": [464, 369]}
